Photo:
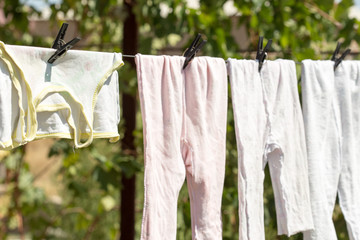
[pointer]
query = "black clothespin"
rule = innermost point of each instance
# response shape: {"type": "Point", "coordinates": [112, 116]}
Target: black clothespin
{"type": "Point", "coordinates": [60, 45]}
{"type": "Point", "coordinates": [191, 51]}
{"type": "Point", "coordinates": [338, 60]}
{"type": "Point", "coordinates": [262, 53]}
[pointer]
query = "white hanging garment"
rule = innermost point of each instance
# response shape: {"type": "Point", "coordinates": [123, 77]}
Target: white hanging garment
{"type": "Point", "coordinates": [9, 108]}
{"type": "Point", "coordinates": [269, 130]}
{"type": "Point", "coordinates": [331, 103]}
{"type": "Point", "coordinates": [106, 114]}
{"type": "Point", "coordinates": [69, 87]}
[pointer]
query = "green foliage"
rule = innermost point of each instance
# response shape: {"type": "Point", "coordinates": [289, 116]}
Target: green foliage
{"type": "Point", "coordinates": [88, 208]}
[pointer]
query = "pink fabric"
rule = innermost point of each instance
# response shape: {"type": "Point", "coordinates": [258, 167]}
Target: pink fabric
{"type": "Point", "coordinates": [184, 120]}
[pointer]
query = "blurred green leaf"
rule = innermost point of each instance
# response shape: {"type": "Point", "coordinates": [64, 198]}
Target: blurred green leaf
{"type": "Point", "coordinates": [108, 202]}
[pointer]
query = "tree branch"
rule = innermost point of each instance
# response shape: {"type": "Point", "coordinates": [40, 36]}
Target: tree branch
{"type": "Point", "coordinates": [312, 6]}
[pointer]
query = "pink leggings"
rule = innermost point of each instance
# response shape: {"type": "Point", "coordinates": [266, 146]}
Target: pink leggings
{"type": "Point", "coordinates": [184, 120]}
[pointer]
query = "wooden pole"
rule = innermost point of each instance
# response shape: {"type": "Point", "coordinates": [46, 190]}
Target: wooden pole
{"type": "Point", "coordinates": [127, 209]}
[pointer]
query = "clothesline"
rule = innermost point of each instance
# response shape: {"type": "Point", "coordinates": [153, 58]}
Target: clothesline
{"type": "Point", "coordinates": [133, 56]}
{"type": "Point", "coordinates": [177, 49]}
{"type": "Point", "coordinates": [270, 52]}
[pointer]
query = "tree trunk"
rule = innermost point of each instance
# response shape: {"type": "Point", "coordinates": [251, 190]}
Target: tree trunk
{"type": "Point", "coordinates": [127, 210]}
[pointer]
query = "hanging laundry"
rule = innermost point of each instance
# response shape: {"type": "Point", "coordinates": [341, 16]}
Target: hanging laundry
{"type": "Point", "coordinates": [9, 107]}
{"type": "Point", "coordinates": [269, 130]}
{"type": "Point", "coordinates": [106, 114]}
{"type": "Point", "coordinates": [331, 101]}
{"type": "Point", "coordinates": [70, 88]}
{"type": "Point", "coordinates": [184, 120]}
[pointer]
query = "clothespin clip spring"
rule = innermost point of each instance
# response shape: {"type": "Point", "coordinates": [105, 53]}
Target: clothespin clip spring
{"type": "Point", "coordinates": [190, 52]}
{"type": "Point", "coordinates": [339, 60]}
{"type": "Point", "coordinates": [262, 53]}
{"type": "Point", "coordinates": [60, 45]}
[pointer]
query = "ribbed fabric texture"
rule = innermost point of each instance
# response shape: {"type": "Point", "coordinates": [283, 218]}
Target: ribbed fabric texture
{"type": "Point", "coordinates": [184, 119]}
{"type": "Point", "coordinates": [269, 130]}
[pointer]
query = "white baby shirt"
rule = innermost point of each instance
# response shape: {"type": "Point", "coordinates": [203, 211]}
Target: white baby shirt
{"type": "Point", "coordinates": [62, 99]}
